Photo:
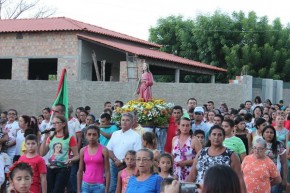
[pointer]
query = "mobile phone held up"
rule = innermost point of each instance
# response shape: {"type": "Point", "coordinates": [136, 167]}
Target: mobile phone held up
{"type": "Point", "coordinates": [187, 187]}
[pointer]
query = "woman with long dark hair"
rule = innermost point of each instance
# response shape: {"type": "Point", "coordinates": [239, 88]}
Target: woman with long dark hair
{"type": "Point", "coordinates": [277, 152]}
{"type": "Point", "coordinates": [213, 154]}
{"type": "Point", "coordinates": [94, 167]}
{"type": "Point", "coordinates": [58, 168]}
{"type": "Point", "coordinates": [24, 123]}
{"type": "Point", "coordinates": [260, 123]}
{"type": "Point", "coordinates": [185, 146]}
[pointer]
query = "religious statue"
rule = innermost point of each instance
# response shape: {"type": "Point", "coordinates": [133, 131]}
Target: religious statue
{"type": "Point", "coordinates": [145, 83]}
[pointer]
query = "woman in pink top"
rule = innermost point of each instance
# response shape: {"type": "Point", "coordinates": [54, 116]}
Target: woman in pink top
{"type": "Point", "coordinates": [95, 159]}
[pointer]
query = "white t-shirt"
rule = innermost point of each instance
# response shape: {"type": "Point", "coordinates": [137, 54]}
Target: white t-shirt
{"type": "Point", "coordinates": [83, 125]}
{"type": "Point", "coordinates": [19, 140]}
{"type": "Point", "coordinates": [73, 126]}
{"type": "Point", "coordinates": [44, 125]}
{"type": "Point", "coordinates": [121, 142]}
{"type": "Point", "coordinates": [11, 128]}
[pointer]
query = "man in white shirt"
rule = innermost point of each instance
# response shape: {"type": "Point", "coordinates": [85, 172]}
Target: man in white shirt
{"type": "Point", "coordinates": [122, 141]}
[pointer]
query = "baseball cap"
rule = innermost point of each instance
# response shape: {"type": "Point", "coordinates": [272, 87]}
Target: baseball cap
{"type": "Point", "coordinates": [199, 110]}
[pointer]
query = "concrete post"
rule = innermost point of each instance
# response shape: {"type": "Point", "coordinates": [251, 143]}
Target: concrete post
{"type": "Point", "coordinates": [278, 92]}
{"type": "Point", "coordinates": [248, 87]}
{"type": "Point", "coordinates": [212, 78]}
{"type": "Point", "coordinates": [267, 89]}
{"type": "Point", "coordinates": [177, 75]}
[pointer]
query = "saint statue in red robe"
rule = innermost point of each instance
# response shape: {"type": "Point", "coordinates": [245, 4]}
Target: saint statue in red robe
{"type": "Point", "coordinates": [145, 83]}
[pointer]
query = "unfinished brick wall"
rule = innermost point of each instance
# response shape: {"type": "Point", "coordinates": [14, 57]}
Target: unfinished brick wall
{"type": "Point", "coordinates": [61, 45]}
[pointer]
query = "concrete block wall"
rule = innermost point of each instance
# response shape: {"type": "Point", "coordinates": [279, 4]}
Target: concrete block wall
{"type": "Point", "coordinates": [123, 71]}
{"type": "Point", "coordinates": [20, 68]}
{"type": "Point", "coordinates": [30, 96]}
{"type": "Point", "coordinates": [61, 45]}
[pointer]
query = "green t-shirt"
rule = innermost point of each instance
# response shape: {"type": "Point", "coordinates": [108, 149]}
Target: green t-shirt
{"type": "Point", "coordinates": [235, 144]}
{"type": "Point", "coordinates": [58, 151]}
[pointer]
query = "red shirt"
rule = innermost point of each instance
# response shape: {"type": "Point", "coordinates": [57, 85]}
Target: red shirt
{"type": "Point", "coordinates": [171, 132]}
{"type": "Point", "coordinates": [38, 165]}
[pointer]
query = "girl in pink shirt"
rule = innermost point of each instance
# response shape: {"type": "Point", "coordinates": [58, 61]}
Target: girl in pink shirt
{"type": "Point", "coordinates": [94, 163]}
{"type": "Point", "coordinates": [125, 174]}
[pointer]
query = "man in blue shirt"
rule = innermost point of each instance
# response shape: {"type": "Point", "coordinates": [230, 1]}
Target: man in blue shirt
{"type": "Point", "coordinates": [198, 123]}
{"type": "Point", "coordinates": [106, 129]}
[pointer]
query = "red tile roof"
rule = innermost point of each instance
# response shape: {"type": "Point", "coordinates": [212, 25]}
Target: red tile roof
{"type": "Point", "coordinates": [61, 24]}
{"type": "Point", "coordinates": [156, 54]}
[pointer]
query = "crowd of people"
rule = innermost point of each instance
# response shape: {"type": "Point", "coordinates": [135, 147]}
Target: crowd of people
{"type": "Point", "coordinates": [204, 145]}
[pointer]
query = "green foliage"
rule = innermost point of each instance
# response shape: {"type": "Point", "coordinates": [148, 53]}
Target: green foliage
{"type": "Point", "coordinates": [240, 43]}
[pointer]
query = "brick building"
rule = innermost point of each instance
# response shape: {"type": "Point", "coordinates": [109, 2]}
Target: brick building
{"type": "Point", "coordinates": [38, 49]}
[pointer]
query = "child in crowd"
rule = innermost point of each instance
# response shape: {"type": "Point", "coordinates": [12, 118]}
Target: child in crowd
{"type": "Point", "coordinates": [242, 132]}
{"type": "Point", "coordinates": [149, 141]}
{"type": "Point", "coordinates": [126, 173]}
{"type": "Point", "coordinates": [31, 157]}
{"type": "Point", "coordinates": [165, 166]}
{"type": "Point", "coordinates": [94, 169]}
{"type": "Point", "coordinates": [23, 146]}
{"type": "Point", "coordinates": [200, 136]}
{"type": "Point", "coordinates": [20, 177]}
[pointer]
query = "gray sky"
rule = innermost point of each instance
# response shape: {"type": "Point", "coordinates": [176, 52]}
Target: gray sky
{"type": "Point", "coordinates": [135, 17]}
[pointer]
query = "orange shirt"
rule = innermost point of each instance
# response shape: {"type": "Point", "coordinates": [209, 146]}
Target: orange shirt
{"type": "Point", "coordinates": [257, 174]}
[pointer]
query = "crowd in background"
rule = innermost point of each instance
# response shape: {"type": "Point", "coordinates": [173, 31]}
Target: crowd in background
{"type": "Point", "coordinates": [89, 153]}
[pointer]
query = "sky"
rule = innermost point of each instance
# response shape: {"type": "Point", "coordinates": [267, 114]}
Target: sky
{"type": "Point", "coordinates": [135, 17]}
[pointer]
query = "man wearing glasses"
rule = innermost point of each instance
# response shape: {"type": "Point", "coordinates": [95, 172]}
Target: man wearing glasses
{"type": "Point", "coordinates": [11, 128]}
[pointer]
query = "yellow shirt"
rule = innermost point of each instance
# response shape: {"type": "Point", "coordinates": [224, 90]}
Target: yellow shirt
{"type": "Point", "coordinates": [23, 148]}
{"type": "Point", "coordinates": [139, 130]}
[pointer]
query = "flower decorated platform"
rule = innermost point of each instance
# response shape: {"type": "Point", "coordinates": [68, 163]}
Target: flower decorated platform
{"type": "Point", "coordinates": [154, 113]}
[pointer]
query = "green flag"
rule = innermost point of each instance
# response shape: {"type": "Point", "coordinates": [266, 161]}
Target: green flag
{"type": "Point", "coordinates": [62, 92]}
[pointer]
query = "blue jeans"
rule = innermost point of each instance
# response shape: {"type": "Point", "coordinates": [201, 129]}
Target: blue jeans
{"type": "Point", "coordinates": [277, 188]}
{"type": "Point", "coordinates": [92, 188]}
{"type": "Point", "coordinates": [114, 177]}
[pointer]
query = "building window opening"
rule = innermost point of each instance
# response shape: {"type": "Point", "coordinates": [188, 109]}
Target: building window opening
{"type": "Point", "coordinates": [42, 69]}
{"type": "Point", "coordinates": [108, 69]}
{"type": "Point", "coordinates": [5, 68]}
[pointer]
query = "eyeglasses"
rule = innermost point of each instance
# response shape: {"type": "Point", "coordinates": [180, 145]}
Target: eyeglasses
{"type": "Point", "coordinates": [258, 148]}
{"type": "Point", "coordinates": [143, 160]}
{"type": "Point", "coordinates": [198, 113]}
{"type": "Point", "coordinates": [54, 123]}
{"type": "Point", "coordinates": [11, 114]}
{"type": "Point", "coordinates": [55, 111]}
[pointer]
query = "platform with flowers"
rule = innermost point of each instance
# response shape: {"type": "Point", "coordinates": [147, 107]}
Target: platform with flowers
{"type": "Point", "coordinates": [154, 113]}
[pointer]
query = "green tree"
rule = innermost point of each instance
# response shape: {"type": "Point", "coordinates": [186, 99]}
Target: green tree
{"type": "Point", "coordinates": [240, 43]}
